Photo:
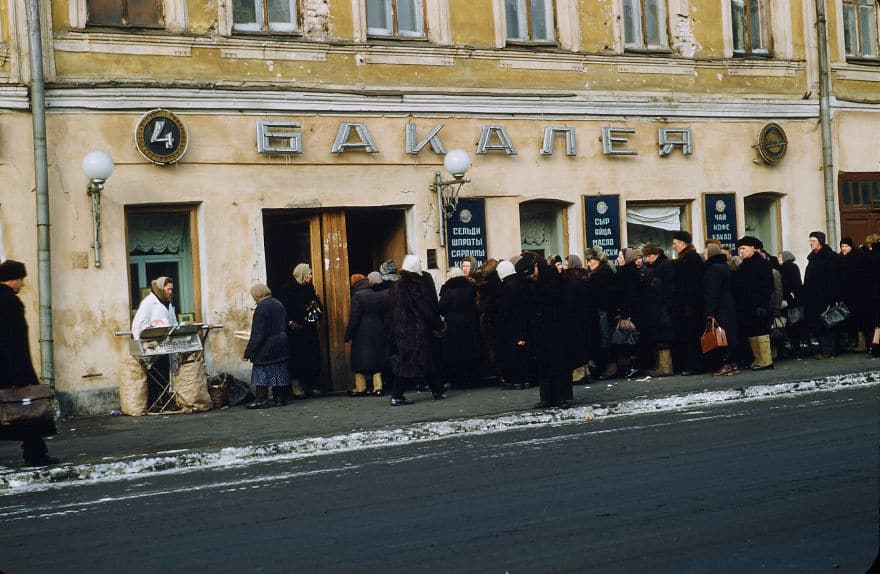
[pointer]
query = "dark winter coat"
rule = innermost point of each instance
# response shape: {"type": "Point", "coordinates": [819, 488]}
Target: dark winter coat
{"type": "Point", "coordinates": [414, 319]}
{"type": "Point", "coordinates": [718, 295]}
{"type": "Point", "coordinates": [821, 283]}
{"type": "Point", "coordinates": [488, 300]}
{"type": "Point", "coordinates": [602, 292]}
{"type": "Point", "coordinates": [628, 291]}
{"type": "Point", "coordinates": [367, 329]}
{"type": "Point", "coordinates": [791, 283]}
{"type": "Point", "coordinates": [855, 290]}
{"type": "Point", "coordinates": [689, 268]}
{"type": "Point", "coordinates": [268, 341]}
{"type": "Point", "coordinates": [583, 324]}
{"type": "Point", "coordinates": [549, 327]}
{"type": "Point", "coordinates": [515, 310]}
{"type": "Point", "coordinates": [302, 338]}
{"type": "Point", "coordinates": [16, 367]}
{"type": "Point", "coordinates": [659, 290]}
{"type": "Point", "coordinates": [752, 292]}
{"type": "Point", "coordinates": [462, 343]}
{"type": "Point", "coordinates": [874, 285]}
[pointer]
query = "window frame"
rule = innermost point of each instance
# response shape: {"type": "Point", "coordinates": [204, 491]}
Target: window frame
{"type": "Point", "coordinates": [663, 33]}
{"type": "Point", "coordinates": [527, 20]}
{"type": "Point", "coordinates": [392, 13]}
{"type": "Point", "coordinates": [266, 26]}
{"type": "Point", "coordinates": [855, 7]}
{"type": "Point", "coordinates": [160, 25]}
{"type": "Point", "coordinates": [766, 35]}
{"type": "Point", "coordinates": [686, 220]}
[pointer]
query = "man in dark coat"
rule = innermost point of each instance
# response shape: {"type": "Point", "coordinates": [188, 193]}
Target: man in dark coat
{"type": "Point", "coordinates": [659, 291]}
{"type": "Point", "coordinates": [688, 303]}
{"type": "Point", "coordinates": [548, 333]}
{"type": "Point", "coordinates": [821, 288]}
{"type": "Point", "coordinates": [16, 368]}
{"type": "Point", "coordinates": [856, 293]}
{"type": "Point", "coordinates": [752, 292]}
{"type": "Point", "coordinates": [462, 341]}
{"type": "Point", "coordinates": [583, 326]}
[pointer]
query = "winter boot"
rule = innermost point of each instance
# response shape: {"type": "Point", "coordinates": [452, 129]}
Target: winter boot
{"type": "Point", "coordinates": [664, 364]}
{"type": "Point", "coordinates": [632, 369]}
{"type": "Point", "coordinates": [861, 344]}
{"type": "Point", "coordinates": [377, 384]}
{"type": "Point", "coordinates": [610, 371]}
{"type": "Point", "coordinates": [261, 401]}
{"type": "Point", "coordinates": [360, 385]}
{"type": "Point", "coordinates": [279, 395]}
{"type": "Point", "coordinates": [762, 352]}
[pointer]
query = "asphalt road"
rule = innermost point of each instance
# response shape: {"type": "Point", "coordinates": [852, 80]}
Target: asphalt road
{"type": "Point", "coordinates": [790, 485]}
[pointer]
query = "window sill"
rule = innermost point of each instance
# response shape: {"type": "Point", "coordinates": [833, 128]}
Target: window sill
{"type": "Point", "coordinates": [390, 40]}
{"type": "Point", "coordinates": [753, 55]}
{"type": "Point", "coordinates": [266, 34]}
{"type": "Point", "coordinates": [124, 29]}
{"type": "Point", "coordinates": [874, 62]}
{"type": "Point", "coordinates": [529, 44]}
{"type": "Point", "coordinates": [649, 51]}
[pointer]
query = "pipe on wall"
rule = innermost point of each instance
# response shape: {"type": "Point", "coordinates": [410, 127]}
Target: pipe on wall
{"type": "Point", "coordinates": [825, 121]}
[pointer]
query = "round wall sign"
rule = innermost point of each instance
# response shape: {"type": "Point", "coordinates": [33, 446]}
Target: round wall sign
{"type": "Point", "coordinates": [161, 137]}
{"type": "Point", "coordinates": [772, 144]}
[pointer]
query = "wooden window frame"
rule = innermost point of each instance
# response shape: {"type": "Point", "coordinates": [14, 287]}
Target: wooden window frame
{"type": "Point", "coordinates": [765, 51]}
{"type": "Point", "coordinates": [266, 26]}
{"type": "Point", "coordinates": [643, 44]}
{"type": "Point", "coordinates": [395, 33]}
{"type": "Point", "coordinates": [160, 25]}
{"type": "Point", "coordinates": [862, 55]}
{"type": "Point", "coordinates": [528, 19]}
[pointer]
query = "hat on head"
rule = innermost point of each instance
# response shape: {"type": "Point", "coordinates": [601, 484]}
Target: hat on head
{"type": "Point", "coordinates": [412, 264]}
{"type": "Point", "coordinates": [847, 241]}
{"type": "Point", "coordinates": [651, 248]}
{"type": "Point", "coordinates": [820, 237]}
{"type": "Point", "coordinates": [260, 291]}
{"type": "Point", "coordinates": [574, 262]}
{"type": "Point", "coordinates": [682, 235]}
{"type": "Point", "coordinates": [505, 269]}
{"type": "Point", "coordinates": [374, 278]}
{"type": "Point", "coordinates": [454, 272]}
{"type": "Point", "coordinates": [758, 243]}
{"type": "Point", "coordinates": [11, 270]}
{"type": "Point", "coordinates": [747, 240]}
{"type": "Point", "coordinates": [629, 255]}
{"type": "Point", "coordinates": [301, 272]}
{"type": "Point", "coordinates": [388, 269]}
{"type": "Point", "coordinates": [713, 241]}
{"type": "Point", "coordinates": [355, 279]}
{"type": "Point", "coordinates": [712, 250]}
{"type": "Point", "coordinates": [526, 263]}
{"type": "Point", "coordinates": [787, 256]}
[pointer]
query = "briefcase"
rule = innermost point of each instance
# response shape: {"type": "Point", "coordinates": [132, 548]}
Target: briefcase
{"type": "Point", "coordinates": [25, 407]}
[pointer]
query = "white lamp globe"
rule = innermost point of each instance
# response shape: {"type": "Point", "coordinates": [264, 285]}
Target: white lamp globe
{"type": "Point", "coordinates": [457, 162]}
{"type": "Point", "coordinates": [97, 165]}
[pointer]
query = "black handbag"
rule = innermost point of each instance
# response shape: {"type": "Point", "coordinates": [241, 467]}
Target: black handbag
{"type": "Point", "coordinates": [625, 335]}
{"type": "Point", "coordinates": [834, 315]}
{"type": "Point", "coordinates": [795, 315]}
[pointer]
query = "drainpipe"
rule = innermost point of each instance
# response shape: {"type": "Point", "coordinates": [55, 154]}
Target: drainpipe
{"type": "Point", "coordinates": [41, 177]}
{"type": "Point", "coordinates": [825, 121]}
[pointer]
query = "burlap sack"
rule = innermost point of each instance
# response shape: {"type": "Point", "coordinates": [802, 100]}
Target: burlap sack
{"type": "Point", "coordinates": [133, 388]}
{"type": "Point", "coordinates": [191, 385]}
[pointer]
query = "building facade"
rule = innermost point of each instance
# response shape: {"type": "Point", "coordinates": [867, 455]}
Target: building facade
{"type": "Point", "coordinates": [252, 135]}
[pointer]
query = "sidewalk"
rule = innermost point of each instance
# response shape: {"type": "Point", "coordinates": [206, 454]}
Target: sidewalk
{"type": "Point", "coordinates": [87, 440]}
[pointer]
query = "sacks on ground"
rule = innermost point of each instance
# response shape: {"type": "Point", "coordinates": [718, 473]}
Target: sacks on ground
{"type": "Point", "coordinates": [191, 385]}
{"type": "Point", "coordinates": [238, 391]}
{"type": "Point", "coordinates": [133, 388]}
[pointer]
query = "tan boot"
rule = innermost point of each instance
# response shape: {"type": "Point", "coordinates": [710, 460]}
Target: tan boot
{"type": "Point", "coordinates": [764, 354]}
{"type": "Point", "coordinates": [377, 384]}
{"type": "Point", "coordinates": [664, 364]}
{"type": "Point", "coordinates": [360, 385]}
{"type": "Point", "coordinates": [297, 389]}
{"type": "Point", "coordinates": [861, 344]}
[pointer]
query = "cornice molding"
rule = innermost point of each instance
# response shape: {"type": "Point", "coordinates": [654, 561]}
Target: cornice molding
{"type": "Point", "coordinates": [14, 98]}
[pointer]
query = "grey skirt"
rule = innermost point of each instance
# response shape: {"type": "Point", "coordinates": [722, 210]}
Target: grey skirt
{"type": "Point", "coordinates": [271, 375]}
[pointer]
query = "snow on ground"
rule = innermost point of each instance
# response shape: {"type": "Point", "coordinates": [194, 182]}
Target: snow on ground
{"type": "Point", "coordinates": [169, 462]}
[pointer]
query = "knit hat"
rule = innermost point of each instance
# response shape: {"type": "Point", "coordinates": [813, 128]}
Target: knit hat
{"type": "Point", "coordinates": [712, 250]}
{"type": "Point", "coordinates": [683, 236]}
{"type": "Point", "coordinates": [301, 272]}
{"type": "Point", "coordinates": [820, 237]}
{"type": "Point", "coordinates": [574, 262]}
{"type": "Point", "coordinates": [847, 241]}
{"type": "Point", "coordinates": [526, 263]}
{"type": "Point", "coordinates": [651, 248]}
{"type": "Point", "coordinates": [787, 256]}
{"type": "Point", "coordinates": [11, 270]}
{"type": "Point", "coordinates": [260, 291]}
{"type": "Point", "coordinates": [747, 240]}
{"type": "Point", "coordinates": [355, 279]}
{"type": "Point", "coordinates": [412, 264]}
{"type": "Point", "coordinates": [504, 269]}
{"type": "Point", "coordinates": [629, 255]}
{"type": "Point", "coordinates": [388, 269]}
{"type": "Point", "coordinates": [374, 278]}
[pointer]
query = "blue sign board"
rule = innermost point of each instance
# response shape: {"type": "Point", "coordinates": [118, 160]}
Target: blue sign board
{"type": "Point", "coordinates": [602, 220]}
{"type": "Point", "coordinates": [720, 210]}
{"type": "Point", "coordinates": [466, 232]}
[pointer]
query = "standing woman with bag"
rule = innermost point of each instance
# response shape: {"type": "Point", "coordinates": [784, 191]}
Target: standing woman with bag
{"type": "Point", "coordinates": [267, 348]}
{"type": "Point", "coordinates": [718, 304]}
{"type": "Point", "coordinates": [821, 289]}
{"type": "Point", "coordinates": [628, 289]}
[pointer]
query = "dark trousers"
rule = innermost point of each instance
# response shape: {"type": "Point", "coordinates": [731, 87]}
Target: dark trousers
{"type": "Point", "coordinates": [33, 448]}
{"type": "Point", "coordinates": [555, 386]}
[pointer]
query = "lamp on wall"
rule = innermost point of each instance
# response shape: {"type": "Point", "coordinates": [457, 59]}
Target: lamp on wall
{"type": "Point", "coordinates": [98, 167]}
{"type": "Point", "coordinates": [457, 162]}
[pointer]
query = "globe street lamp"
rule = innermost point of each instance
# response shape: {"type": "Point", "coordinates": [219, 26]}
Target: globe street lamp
{"type": "Point", "coordinates": [456, 162]}
{"type": "Point", "coordinates": [98, 167]}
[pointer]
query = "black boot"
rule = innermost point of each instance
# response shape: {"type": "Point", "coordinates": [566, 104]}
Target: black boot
{"type": "Point", "coordinates": [262, 398]}
{"type": "Point", "coordinates": [279, 395]}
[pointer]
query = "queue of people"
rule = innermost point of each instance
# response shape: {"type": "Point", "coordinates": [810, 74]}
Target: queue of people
{"type": "Point", "coordinates": [530, 321]}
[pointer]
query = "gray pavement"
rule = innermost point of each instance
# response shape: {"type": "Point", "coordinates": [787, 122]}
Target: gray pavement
{"type": "Point", "coordinates": [86, 440]}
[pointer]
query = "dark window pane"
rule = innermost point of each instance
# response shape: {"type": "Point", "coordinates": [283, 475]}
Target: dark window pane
{"type": "Point", "coordinates": [244, 12]}
{"type": "Point", "coordinates": [105, 12]}
{"type": "Point", "coordinates": [144, 13]}
{"type": "Point", "coordinates": [846, 194]}
{"type": "Point", "coordinates": [875, 190]}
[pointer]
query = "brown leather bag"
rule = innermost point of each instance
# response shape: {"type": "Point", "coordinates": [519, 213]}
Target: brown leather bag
{"type": "Point", "coordinates": [26, 406]}
{"type": "Point", "coordinates": [713, 337]}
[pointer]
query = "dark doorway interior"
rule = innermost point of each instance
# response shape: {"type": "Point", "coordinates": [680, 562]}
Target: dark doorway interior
{"type": "Point", "coordinates": [287, 240]}
{"type": "Point", "coordinates": [374, 235]}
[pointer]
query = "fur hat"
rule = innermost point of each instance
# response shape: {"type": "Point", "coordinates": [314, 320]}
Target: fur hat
{"type": "Point", "coordinates": [712, 250]}
{"type": "Point", "coordinates": [847, 241]}
{"type": "Point", "coordinates": [11, 270]}
{"type": "Point", "coordinates": [758, 243]}
{"type": "Point", "coordinates": [629, 255]}
{"type": "Point", "coordinates": [683, 236]}
{"type": "Point", "coordinates": [820, 237]}
{"type": "Point", "coordinates": [374, 278]}
{"type": "Point", "coordinates": [388, 269]}
{"type": "Point", "coordinates": [747, 240]}
{"type": "Point", "coordinates": [355, 279]}
{"type": "Point", "coordinates": [453, 272]}
{"type": "Point", "coordinates": [412, 264]}
{"type": "Point", "coordinates": [525, 265]}
{"type": "Point", "coordinates": [596, 253]}
{"type": "Point", "coordinates": [651, 248]}
{"type": "Point", "coordinates": [787, 256]}
{"type": "Point", "coordinates": [504, 269]}
{"type": "Point", "coordinates": [574, 262]}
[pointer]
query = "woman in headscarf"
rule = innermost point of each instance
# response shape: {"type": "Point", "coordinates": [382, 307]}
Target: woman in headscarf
{"type": "Point", "coordinates": [267, 349]}
{"type": "Point", "coordinates": [462, 343]}
{"type": "Point", "coordinates": [156, 309]}
{"type": "Point", "coordinates": [304, 310]}
{"type": "Point", "coordinates": [368, 332]}
{"type": "Point", "coordinates": [718, 304]}
{"type": "Point", "coordinates": [583, 324]}
{"type": "Point", "coordinates": [627, 285]}
{"type": "Point", "coordinates": [602, 292]}
{"type": "Point", "coordinates": [855, 290]}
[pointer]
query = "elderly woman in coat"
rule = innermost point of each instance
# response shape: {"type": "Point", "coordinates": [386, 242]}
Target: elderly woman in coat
{"type": "Point", "coordinates": [300, 301]}
{"type": "Point", "coordinates": [368, 333]}
{"type": "Point", "coordinates": [718, 304]}
{"type": "Point", "coordinates": [156, 309]}
{"type": "Point", "coordinates": [267, 348]}
{"type": "Point", "coordinates": [462, 342]}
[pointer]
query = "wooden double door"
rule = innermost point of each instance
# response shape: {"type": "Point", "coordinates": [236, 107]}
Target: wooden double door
{"type": "Point", "coordinates": [336, 243]}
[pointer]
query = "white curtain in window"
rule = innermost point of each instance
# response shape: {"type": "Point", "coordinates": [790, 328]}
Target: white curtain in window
{"type": "Point", "coordinates": [157, 233]}
{"type": "Point", "coordinates": [660, 216]}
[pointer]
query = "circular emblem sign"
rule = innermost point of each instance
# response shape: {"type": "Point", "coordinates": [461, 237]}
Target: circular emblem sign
{"type": "Point", "coordinates": [601, 208]}
{"type": "Point", "coordinates": [161, 137]}
{"type": "Point", "coordinates": [772, 144]}
{"type": "Point", "coordinates": [720, 206]}
{"type": "Point", "coordinates": [465, 216]}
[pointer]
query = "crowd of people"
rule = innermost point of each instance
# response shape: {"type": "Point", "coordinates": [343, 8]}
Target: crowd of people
{"type": "Point", "coordinates": [530, 321]}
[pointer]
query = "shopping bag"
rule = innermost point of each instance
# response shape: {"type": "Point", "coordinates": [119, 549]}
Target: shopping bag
{"type": "Point", "coordinates": [713, 337]}
{"type": "Point", "coordinates": [834, 315]}
{"type": "Point", "coordinates": [794, 315]}
{"type": "Point", "coordinates": [625, 334]}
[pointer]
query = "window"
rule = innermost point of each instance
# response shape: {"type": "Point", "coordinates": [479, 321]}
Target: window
{"type": "Point", "coordinates": [530, 20]}
{"type": "Point", "coordinates": [762, 219]}
{"type": "Point", "coordinates": [655, 223]}
{"type": "Point", "coordinates": [751, 26]}
{"type": "Point", "coordinates": [860, 28]}
{"type": "Point", "coordinates": [644, 24]}
{"type": "Point", "coordinates": [396, 18]}
{"type": "Point", "coordinates": [264, 15]}
{"type": "Point", "coordinates": [125, 13]}
{"type": "Point", "coordinates": [542, 228]}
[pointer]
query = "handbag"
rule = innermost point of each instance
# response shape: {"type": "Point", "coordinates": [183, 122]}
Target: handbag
{"type": "Point", "coordinates": [314, 312]}
{"type": "Point", "coordinates": [625, 334]}
{"type": "Point", "coordinates": [27, 408]}
{"type": "Point", "coordinates": [834, 315]}
{"type": "Point", "coordinates": [713, 336]}
{"type": "Point", "coordinates": [794, 315]}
